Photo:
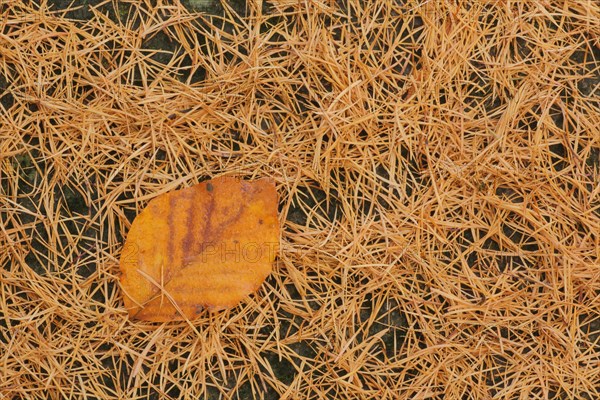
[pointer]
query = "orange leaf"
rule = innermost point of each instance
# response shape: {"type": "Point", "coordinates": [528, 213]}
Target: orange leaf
{"type": "Point", "coordinates": [204, 247]}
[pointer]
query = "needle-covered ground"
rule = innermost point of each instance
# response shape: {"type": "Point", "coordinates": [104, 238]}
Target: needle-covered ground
{"type": "Point", "coordinates": [437, 165]}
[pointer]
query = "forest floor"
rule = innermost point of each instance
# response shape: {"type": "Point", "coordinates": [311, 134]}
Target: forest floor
{"type": "Point", "coordinates": [438, 173]}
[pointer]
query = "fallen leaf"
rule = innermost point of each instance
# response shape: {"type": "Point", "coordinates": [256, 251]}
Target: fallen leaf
{"type": "Point", "coordinates": [204, 247]}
